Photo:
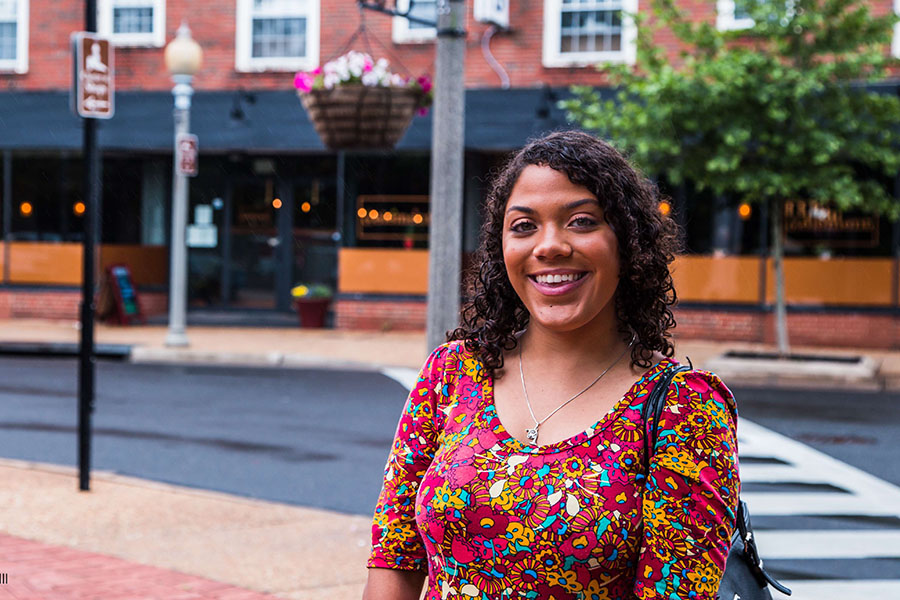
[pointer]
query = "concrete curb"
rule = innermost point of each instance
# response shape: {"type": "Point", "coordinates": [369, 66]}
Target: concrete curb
{"type": "Point", "coordinates": [147, 355]}
{"type": "Point", "coordinates": [818, 374]}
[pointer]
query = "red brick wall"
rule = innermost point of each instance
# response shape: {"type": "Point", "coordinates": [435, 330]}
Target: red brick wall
{"type": "Point", "coordinates": [380, 315]}
{"type": "Point", "coordinates": [61, 304]}
{"type": "Point", "coordinates": [213, 25]}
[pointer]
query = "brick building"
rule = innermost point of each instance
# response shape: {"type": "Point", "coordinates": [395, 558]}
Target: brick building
{"type": "Point", "coordinates": [287, 210]}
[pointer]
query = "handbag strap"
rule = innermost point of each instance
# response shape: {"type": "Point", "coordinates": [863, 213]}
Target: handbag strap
{"type": "Point", "coordinates": [653, 407]}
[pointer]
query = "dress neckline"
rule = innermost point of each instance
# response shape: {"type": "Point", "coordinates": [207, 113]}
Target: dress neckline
{"type": "Point", "coordinates": [505, 438]}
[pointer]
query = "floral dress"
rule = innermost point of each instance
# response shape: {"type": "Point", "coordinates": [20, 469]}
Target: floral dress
{"type": "Point", "coordinates": [492, 517]}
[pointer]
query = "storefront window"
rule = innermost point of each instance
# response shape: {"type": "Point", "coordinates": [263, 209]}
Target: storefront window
{"type": "Point", "coordinates": [46, 203]}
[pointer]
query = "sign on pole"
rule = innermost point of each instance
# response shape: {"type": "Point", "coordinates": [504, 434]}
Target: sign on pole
{"type": "Point", "coordinates": [93, 92]}
{"type": "Point", "coordinates": [187, 147]}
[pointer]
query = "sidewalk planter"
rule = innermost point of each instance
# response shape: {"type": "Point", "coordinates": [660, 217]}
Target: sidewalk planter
{"type": "Point", "coordinates": [354, 117]}
{"type": "Point", "coordinates": [312, 311]}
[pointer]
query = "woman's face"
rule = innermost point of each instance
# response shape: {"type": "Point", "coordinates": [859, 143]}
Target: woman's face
{"type": "Point", "coordinates": [561, 255]}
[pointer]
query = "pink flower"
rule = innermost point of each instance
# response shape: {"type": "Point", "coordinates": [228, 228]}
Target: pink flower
{"type": "Point", "coordinates": [303, 81]}
{"type": "Point", "coordinates": [424, 82]}
{"type": "Point", "coordinates": [317, 71]}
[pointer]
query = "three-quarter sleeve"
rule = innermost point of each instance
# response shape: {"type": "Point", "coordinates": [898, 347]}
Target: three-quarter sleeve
{"type": "Point", "coordinates": [691, 494]}
{"type": "Point", "coordinates": [396, 543]}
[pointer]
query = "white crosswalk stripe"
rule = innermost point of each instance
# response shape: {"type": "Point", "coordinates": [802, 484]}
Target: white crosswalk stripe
{"type": "Point", "coordinates": [859, 494]}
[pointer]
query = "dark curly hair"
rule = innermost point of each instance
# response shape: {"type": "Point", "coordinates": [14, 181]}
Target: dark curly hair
{"type": "Point", "coordinates": [647, 241]}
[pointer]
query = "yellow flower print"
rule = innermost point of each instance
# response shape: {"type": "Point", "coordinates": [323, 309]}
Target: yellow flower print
{"type": "Point", "coordinates": [422, 411]}
{"type": "Point", "coordinates": [569, 580]}
{"type": "Point", "coordinates": [596, 591]}
{"type": "Point", "coordinates": [705, 579]}
{"type": "Point", "coordinates": [655, 517]}
{"type": "Point", "coordinates": [517, 533]}
{"type": "Point", "coordinates": [679, 461]}
{"type": "Point", "coordinates": [626, 430]}
{"type": "Point", "coordinates": [445, 498]}
{"type": "Point", "coordinates": [474, 369]}
{"type": "Point", "coordinates": [573, 467]}
{"type": "Point", "coordinates": [506, 500]}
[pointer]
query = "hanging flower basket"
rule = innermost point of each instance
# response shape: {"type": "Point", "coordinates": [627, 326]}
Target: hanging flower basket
{"type": "Point", "coordinates": [357, 103]}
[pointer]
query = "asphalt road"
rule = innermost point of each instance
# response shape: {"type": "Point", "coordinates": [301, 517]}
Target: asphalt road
{"type": "Point", "coordinates": [312, 438]}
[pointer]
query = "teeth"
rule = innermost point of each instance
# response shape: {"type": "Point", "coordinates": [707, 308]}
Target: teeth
{"type": "Point", "coordinates": [558, 278]}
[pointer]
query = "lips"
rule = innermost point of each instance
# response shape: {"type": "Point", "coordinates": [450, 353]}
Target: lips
{"type": "Point", "coordinates": [557, 283]}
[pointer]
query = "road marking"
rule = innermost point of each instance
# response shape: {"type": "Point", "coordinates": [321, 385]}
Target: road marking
{"type": "Point", "coordinates": [785, 544]}
{"type": "Point", "coordinates": [829, 589]}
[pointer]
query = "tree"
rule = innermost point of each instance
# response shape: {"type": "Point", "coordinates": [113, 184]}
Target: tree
{"type": "Point", "coordinates": [785, 109]}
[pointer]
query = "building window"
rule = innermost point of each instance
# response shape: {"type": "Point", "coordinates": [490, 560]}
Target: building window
{"type": "Point", "coordinates": [585, 32]}
{"type": "Point", "coordinates": [133, 22]}
{"type": "Point", "coordinates": [277, 35]}
{"type": "Point", "coordinates": [404, 31]}
{"type": "Point", "coordinates": [14, 36]}
{"type": "Point", "coordinates": [733, 14]}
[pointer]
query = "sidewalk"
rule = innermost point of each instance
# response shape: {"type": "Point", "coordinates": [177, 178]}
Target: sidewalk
{"type": "Point", "coordinates": [134, 539]}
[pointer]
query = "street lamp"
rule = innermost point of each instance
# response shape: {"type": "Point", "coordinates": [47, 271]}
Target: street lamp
{"type": "Point", "coordinates": [183, 57]}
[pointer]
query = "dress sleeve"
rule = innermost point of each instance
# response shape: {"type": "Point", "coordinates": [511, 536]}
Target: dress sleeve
{"type": "Point", "coordinates": [396, 543]}
{"type": "Point", "coordinates": [691, 494]}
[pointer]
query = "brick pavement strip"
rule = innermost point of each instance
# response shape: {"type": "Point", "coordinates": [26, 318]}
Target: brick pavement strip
{"type": "Point", "coordinates": [69, 574]}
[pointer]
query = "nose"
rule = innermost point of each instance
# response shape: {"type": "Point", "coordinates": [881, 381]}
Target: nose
{"type": "Point", "coordinates": [552, 243]}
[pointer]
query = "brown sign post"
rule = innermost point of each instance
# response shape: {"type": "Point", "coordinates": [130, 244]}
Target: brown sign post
{"type": "Point", "coordinates": [93, 86]}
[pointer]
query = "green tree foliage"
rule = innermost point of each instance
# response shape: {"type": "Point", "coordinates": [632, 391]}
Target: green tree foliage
{"type": "Point", "coordinates": [790, 108]}
{"type": "Point", "coordinates": [781, 110]}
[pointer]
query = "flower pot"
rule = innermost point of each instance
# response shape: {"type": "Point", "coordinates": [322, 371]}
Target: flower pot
{"type": "Point", "coordinates": [312, 311]}
{"type": "Point", "coordinates": [351, 117]}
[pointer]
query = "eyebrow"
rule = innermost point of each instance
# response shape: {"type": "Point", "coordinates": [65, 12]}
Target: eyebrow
{"type": "Point", "coordinates": [569, 206]}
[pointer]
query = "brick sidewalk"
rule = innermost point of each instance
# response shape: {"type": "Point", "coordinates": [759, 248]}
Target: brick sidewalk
{"type": "Point", "coordinates": [37, 571]}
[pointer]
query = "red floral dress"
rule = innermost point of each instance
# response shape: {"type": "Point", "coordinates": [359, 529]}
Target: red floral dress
{"type": "Point", "coordinates": [493, 518]}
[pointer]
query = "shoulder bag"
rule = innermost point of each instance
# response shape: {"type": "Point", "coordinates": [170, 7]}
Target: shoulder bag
{"type": "Point", "coordinates": [744, 577]}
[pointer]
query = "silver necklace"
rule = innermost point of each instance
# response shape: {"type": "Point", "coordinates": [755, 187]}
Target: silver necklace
{"type": "Point", "coordinates": [532, 433]}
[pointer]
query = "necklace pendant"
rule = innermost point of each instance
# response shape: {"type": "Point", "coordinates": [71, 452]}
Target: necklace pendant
{"type": "Point", "coordinates": [532, 434]}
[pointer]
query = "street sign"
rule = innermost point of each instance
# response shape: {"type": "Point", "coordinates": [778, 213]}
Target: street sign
{"type": "Point", "coordinates": [93, 92]}
{"type": "Point", "coordinates": [187, 146]}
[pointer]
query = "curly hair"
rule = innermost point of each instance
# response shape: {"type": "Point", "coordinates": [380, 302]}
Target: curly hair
{"type": "Point", "coordinates": [647, 240]}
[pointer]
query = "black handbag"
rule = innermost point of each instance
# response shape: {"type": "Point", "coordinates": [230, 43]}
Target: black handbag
{"type": "Point", "coordinates": [744, 577]}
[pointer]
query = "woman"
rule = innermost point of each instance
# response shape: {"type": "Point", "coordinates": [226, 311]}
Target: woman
{"type": "Point", "coordinates": [518, 469]}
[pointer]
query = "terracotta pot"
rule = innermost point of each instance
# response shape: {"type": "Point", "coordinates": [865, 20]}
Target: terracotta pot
{"type": "Point", "coordinates": [312, 311]}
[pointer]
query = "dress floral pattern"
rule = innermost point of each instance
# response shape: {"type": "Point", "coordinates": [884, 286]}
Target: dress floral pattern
{"type": "Point", "coordinates": [492, 517]}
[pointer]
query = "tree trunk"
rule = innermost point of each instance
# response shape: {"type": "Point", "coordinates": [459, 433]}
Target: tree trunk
{"type": "Point", "coordinates": [781, 333]}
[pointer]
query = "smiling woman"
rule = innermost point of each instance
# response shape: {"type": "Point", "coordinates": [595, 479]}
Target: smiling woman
{"type": "Point", "coordinates": [539, 486]}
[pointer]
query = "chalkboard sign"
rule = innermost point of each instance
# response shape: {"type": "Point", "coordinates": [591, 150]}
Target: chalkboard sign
{"type": "Point", "coordinates": [119, 300]}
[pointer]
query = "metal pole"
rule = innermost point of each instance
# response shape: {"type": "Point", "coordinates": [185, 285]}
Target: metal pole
{"type": "Point", "coordinates": [447, 150]}
{"type": "Point", "coordinates": [178, 271]}
{"type": "Point", "coordinates": [91, 157]}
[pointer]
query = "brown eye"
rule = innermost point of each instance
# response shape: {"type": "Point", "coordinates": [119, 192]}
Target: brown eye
{"type": "Point", "coordinates": [521, 227]}
{"type": "Point", "coordinates": [584, 222]}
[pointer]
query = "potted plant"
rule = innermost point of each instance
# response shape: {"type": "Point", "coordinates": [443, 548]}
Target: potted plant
{"type": "Point", "coordinates": [355, 102]}
{"type": "Point", "coordinates": [311, 301]}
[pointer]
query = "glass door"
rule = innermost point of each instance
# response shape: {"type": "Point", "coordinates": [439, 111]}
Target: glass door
{"type": "Point", "coordinates": [254, 244]}
{"type": "Point", "coordinates": [315, 232]}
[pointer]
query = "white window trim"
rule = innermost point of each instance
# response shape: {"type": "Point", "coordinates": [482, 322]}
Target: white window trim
{"type": "Point", "coordinates": [154, 39]}
{"type": "Point", "coordinates": [725, 20]}
{"type": "Point", "coordinates": [402, 33]}
{"type": "Point", "coordinates": [552, 57]}
{"type": "Point", "coordinates": [243, 44]}
{"type": "Point", "coordinates": [895, 43]}
{"type": "Point", "coordinates": [20, 63]}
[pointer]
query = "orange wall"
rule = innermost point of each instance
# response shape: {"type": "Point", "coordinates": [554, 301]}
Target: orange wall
{"type": "Point", "coordinates": [55, 263]}
{"type": "Point", "coordinates": [835, 281]}
{"type": "Point", "coordinates": [717, 279]}
{"type": "Point", "coordinates": [381, 270]}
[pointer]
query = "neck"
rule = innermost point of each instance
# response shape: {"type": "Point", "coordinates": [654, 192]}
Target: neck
{"type": "Point", "coordinates": [562, 351]}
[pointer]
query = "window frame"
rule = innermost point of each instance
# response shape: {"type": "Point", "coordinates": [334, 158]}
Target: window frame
{"type": "Point", "coordinates": [19, 64]}
{"type": "Point", "coordinates": [895, 42]}
{"type": "Point", "coordinates": [244, 61]}
{"type": "Point", "coordinates": [401, 33]}
{"type": "Point", "coordinates": [552, 57]}
{"type": "Point", "coordinates": [725, 19]}
{"type": "Point", "coordinates": [153, 39]}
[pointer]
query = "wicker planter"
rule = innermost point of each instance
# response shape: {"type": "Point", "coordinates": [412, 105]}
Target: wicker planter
{"type": "Point", "coordinates": [353, 117]}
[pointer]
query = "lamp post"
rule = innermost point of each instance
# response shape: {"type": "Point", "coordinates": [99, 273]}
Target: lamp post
{"type": "Point", "coordinates": [183, 57]}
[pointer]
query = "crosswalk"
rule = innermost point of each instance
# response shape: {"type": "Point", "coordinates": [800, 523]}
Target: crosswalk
{"type": "Point", "coordinates": [849, 493]}
{"type": "Point", "coordinates": [810, 538]}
